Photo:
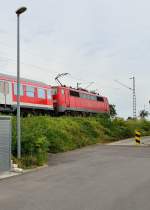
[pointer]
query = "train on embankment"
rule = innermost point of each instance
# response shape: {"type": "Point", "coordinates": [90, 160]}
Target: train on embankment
{"type": "Point", "coordinates": [38, 97]}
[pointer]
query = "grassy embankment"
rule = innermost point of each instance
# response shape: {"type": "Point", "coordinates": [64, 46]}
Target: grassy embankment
{"type": "Point", "coordinates": [44, 134]}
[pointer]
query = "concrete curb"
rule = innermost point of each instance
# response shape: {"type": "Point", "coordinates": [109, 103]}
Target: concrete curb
{"type": "Point", "coordinates": [9, 174]}
{"type": "Point", "coordinates": [34, 169]}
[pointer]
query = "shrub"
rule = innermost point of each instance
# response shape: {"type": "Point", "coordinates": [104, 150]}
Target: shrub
{"type": "Point", "coordinates": [43, 134]}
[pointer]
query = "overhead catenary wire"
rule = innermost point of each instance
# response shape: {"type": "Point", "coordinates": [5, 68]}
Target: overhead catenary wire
{"type": "Point", "coordinates": [8, 59]}
{"type": "Point", "coordinates": [133, 94]}
{"type": "Point", "coordinates": [37, 67]}
{"type": "Point", "coordinates": [122, 84]}
{"type": "Point", "coordinates": [28, 64]}
{"type": "Point", "coordinates": [35, 54]}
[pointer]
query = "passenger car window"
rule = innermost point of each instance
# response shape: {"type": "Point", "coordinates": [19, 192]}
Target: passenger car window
{"type": "Point", "coordinates": [41, 93]}
{"type": "Point", "coordinates": [15, 89]}
{"type": "Point", "coordinates": [30, 91]}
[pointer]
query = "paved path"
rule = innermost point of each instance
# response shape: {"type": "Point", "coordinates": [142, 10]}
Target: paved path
{"type": "Point", "coordinates": [145, 141]}
{"type": "Point", "coordinates": [94, 178]}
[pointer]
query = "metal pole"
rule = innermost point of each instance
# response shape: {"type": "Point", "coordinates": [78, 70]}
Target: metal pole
{"type": "Point", "coordinates": [133, 95]}
{"type": "Point", "coordinates": [18, 89]}
{"type": "Point", "coordinates": [78, 84]}
{"type": "Point", "coordinates": [18, 12]}
{"type": "Point", "coordinates": [134, 99]}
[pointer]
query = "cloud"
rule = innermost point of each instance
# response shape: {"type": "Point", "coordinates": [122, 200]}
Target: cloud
{"type": "Point", "coordinates": [92, 40]}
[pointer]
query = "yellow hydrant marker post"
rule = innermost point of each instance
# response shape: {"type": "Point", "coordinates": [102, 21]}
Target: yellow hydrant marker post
{"type": "Point", "coordinates": [137, 137]}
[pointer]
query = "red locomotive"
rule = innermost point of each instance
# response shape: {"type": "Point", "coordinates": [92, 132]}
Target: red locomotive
{"type": "Point", "coordinates": [39, 97]}
{"type": "Point", "coordinates": [67, 99]}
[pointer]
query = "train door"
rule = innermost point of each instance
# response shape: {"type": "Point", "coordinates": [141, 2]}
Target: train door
{"type": "Point", "coordinates": [2, 96]}
{"type": "Point", "coordinates": [106, 105]}
{"type": "Point", "coordinates": [4, 93]}
{"type": "Point", "coordinates": [7, 92]}
{"type": "Point", "coordinates": [67, 98]}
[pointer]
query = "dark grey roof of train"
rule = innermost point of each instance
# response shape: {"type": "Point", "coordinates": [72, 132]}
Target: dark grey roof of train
{"type": "Point", "coordinates": [24, 79]}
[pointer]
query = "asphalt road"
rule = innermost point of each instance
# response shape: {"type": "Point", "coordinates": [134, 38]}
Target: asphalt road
{"type": "Point", "coordinates": [94, 178]}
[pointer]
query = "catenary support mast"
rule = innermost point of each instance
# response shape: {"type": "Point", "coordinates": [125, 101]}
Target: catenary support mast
{"type": "Point", "coordinates": [133, 94]}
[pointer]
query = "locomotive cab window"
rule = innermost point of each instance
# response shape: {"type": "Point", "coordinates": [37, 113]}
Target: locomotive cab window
{"type": "Point", "coordinates": [54, 91]}
{"type": "Point", "coordinates": [99, 98]}
{"type": "Point", "coordinates": [63, 92]}
{"type": "Point", "coordinates": [74, 93]}
{"type": "Point", "coordinates": [30, 91]}
{"type": "Point", "coordinates": [41, 93]}
{"type": "Point", "coordinates": [15, 89]}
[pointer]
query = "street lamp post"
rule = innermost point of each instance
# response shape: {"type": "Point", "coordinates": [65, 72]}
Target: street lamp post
{"type": "Point", "coordinates": [18, 12]}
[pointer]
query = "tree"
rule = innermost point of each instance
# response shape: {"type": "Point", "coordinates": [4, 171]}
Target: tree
{"type": "Point", "coordinates": [143, 113]}
{"type": "Point", "coordinates": [129, 118]}
{"type": "Point", "coordinates": [113, 112]}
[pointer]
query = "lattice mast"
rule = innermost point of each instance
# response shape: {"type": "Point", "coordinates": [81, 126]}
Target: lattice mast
{"type": "Point", "coordinates": [133, 94]}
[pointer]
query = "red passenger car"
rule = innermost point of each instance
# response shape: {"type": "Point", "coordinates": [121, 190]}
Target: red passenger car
{"type": "Point", "coordinates": [34, 95]}
{"type": "Point", "coordinates": [68, 99]}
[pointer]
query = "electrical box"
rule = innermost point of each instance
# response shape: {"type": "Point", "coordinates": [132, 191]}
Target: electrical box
{"type": "Point", "coordinates": [5, 143]}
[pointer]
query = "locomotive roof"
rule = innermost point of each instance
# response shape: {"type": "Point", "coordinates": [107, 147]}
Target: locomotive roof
{"type": "Point", "coordinates": [11, 77]}
{"type": "Point", "coordinates": [79, 90]}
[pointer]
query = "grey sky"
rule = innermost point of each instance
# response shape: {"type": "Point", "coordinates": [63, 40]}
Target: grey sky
{"type": "Point", "coordinates": [93, 40]}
